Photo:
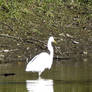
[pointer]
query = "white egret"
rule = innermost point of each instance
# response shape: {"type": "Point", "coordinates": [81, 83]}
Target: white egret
{"type": "Point", "coordinates": [43, 60]}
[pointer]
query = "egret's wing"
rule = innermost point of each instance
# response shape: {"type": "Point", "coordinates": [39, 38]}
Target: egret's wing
{"type": "Point", "coordinates": [32, 64]}
{"type": "Point", "coordinates": [39, 62]}
{"type": "Point", "coordinates": [34, 58]}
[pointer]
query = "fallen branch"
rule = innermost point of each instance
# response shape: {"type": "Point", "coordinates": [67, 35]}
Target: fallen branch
{"type": "Point", "coordinates": [6, 50]}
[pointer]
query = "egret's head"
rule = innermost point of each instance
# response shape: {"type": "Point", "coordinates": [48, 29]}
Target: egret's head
{"type": "Point", "coordinates": [49, 45]}
{"type": "Point", "coordinates": [52, 39]}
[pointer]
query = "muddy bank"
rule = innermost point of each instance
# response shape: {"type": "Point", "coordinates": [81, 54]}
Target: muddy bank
{"type": "Point", "coordinates": [25, 27]}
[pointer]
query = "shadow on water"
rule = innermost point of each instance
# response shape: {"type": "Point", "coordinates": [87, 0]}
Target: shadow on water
{"type": "Point", "coordinates": [64, 76]}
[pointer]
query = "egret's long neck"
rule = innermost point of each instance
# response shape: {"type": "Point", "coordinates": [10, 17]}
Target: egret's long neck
{"type": "Point", "coordinates": [50, 48]}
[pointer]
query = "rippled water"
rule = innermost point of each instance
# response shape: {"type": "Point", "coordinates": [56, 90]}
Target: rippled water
{"type": "Point", "coordinates": [64, 76]}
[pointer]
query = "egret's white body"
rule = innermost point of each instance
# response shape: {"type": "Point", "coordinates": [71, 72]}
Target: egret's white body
{"type": "Point", "coordinates": [43, 60]}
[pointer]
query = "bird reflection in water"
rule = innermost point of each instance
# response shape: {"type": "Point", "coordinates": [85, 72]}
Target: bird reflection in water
{"type": "Point", "coordinates": [39, 85]}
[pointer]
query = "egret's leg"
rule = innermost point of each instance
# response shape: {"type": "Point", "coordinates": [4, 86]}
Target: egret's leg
{"type": "Point", "coordinates": [40, 74]}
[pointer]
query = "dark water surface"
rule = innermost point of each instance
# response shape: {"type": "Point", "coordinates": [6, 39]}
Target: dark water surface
{"type": "Point", "coordinates": [64, 76]}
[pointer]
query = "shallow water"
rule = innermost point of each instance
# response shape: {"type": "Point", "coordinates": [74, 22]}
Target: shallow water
{"type": "Point", "coordinates": [64, 76]}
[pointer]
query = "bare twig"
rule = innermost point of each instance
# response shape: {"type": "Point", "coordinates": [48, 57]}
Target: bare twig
{"type": "Point", "coordinates": [8, 36]}
{"type": "Point", "coordinates": [58, 51]}
{"type": "Point", "coordinates": [7, 25]}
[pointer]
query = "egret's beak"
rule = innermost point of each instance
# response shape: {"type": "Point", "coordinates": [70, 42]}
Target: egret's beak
{"type": "Point", "coordinates": [55, 42]}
